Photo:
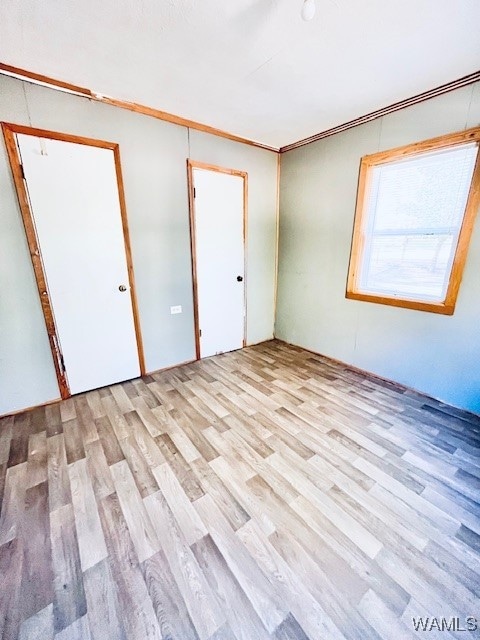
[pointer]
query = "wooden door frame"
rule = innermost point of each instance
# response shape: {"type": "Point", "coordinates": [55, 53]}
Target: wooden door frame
{"type": "Point", "coordinates": [191, 165]}
{"type": "Point", "coordinates": [9, 132]}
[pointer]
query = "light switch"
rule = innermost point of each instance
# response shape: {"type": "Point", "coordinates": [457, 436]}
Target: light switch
{"type": "Point", "coordinates": [177, 309]}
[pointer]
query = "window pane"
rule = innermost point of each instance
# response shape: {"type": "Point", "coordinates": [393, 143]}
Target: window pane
{"type": "Point", "coordinates": [428, 191]}
{"type": "Point", "coordinates": [414, 214]}
{"type": "Point", "coordinates": [415, 266]}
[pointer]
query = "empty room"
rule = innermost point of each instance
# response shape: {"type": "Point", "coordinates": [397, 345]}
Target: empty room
{"type": "Point", "coordinates": [239, 320]}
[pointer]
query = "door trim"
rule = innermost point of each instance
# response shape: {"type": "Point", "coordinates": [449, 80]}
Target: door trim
{"type": "Point", "coordinates": [9, 131]}
{"type": "Point", "coordinates": [191, 165]}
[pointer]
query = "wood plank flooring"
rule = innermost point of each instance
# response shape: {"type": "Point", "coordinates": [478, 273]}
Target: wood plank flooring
{"type": "Point", "coordinates": [263, 494]}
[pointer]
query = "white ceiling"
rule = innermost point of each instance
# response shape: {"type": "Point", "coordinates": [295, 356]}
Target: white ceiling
{"type": "Point", "coordinates": [250, 67]}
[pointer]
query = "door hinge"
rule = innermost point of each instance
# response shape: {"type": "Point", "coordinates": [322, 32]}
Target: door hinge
{"type": "Point", "coordinates": [194, 192]}
{"type": "Point", "coordinates": [199, 333]}
{"type": "Point", "coordinates": [22, 171]}
{"type": "Point", "coordinates": [59, 354]}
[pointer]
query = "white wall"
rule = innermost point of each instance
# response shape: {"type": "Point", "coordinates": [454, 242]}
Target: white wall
{"type": "Point", "coordinates": [153, 155]}
{"type": "Point", "coordinates": [439, 355]}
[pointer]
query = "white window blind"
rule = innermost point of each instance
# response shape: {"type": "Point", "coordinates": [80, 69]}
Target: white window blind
{"type": "Point", "coordinates": [414, 214]}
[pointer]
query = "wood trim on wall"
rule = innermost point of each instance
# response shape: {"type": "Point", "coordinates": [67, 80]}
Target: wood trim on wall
{"type": "Point", "coordinates": [56, 400]}
{"type": "Point", "coordinates": [415, 148]}
{"type": "Point", "coordinates": [361, 371]}
{"type": "Point", "coordinates": [30, 76]}
{"type": "Point", "coordinates": [379, 113]}
{"type": "Point", "coordinates": [61, 85]}
{"type": "Point", "coordinates": [446, 307]}
{"type": "Point", "coordinates": [23, 74]}
{"type": "Point", "coordinates": [244, 175]}
{"type": "Point", "coordinates": [466, 230]}
{"type": "Point", "coordinates": [57, 135]}
{"type": "Point", "coordinates": [191, 165]}
{"type": "Point", "coordinates": [193, 254]}
{"type": "Point", "coordinates": [128, 256]}
{"type": "Point", "coordinates": [9, 131]}
{"type": "Point", "coordinates": [358, 237]}
{"type": "Point", "coordinates": [277, 240]}
{"type": "Point", "coordinates": [34, 406]}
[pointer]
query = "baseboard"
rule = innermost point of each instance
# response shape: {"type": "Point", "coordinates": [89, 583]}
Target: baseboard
{"type": "Point", "coordinates": [291, 344]}
{"type": "Point", "coordinates": [35, 406]}
{"type": "Point", "coordinates": [253, 344]}
{"type": "Point", "coordinates": [383, 379]}
{"type": "Point", "coordinates": [173, 366]}
{"type": "Point", "coordinates": [45, 404]}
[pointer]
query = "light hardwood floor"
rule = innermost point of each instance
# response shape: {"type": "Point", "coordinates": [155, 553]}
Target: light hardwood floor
{"type": "Point", "coordinates": [266, 493]}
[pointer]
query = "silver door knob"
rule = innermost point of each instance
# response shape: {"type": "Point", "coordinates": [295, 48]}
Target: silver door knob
{"type": "Point", "coordinates": [122, 287]}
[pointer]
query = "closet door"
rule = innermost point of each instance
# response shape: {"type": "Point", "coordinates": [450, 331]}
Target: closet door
{"type": "Point", "coordinates": [75, 207]}
{"type": "Point", "coordinates": [220, 260]}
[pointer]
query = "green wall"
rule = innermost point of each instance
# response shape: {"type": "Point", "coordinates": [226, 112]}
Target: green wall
{"type": "Point", "coordinates": [435, 354]}
{"type": "Point", "coordinates": [153, 155]}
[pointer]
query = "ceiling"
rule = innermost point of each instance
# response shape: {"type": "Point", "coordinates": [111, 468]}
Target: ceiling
{"type": "Point", "coordinates": [249, 67]}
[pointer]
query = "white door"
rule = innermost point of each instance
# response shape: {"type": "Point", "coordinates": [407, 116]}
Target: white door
{"type": "Point", "coordinates": [75, 206]}
{"type": "Point", "coordinates": [220, 260]}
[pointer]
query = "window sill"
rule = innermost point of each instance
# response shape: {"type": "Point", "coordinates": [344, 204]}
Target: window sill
{"type": "Point", "coordinates": [433, 307]}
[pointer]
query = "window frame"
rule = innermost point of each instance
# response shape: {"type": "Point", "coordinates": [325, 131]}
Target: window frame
{"type": "Point", "coordinates": [446, 306]}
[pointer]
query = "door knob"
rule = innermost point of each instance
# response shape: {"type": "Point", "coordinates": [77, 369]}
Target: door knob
{"type": "Point", "coordinates": [122, 287]}
{"type": "Point", "coordinates": [239, 278]}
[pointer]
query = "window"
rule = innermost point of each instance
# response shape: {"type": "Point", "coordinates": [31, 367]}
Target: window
{"type": "Point", "coordinates": [415, 212]}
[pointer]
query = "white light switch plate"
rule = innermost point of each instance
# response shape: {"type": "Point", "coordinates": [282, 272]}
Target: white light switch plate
{"type": "Point", "coordinates": [177, 309]}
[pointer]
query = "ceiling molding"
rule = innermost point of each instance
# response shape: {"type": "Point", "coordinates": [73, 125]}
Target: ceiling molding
{"type": "Point", "coordinates": [397, 106]}
{"type": "Point", "coordinates": [60, 85]}
{"type": "Point", "coordinates": [67, 87]}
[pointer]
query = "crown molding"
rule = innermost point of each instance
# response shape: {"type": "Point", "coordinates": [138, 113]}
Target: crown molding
{"type": "Point", "coordinates": [67, 87]}
{"type": "Point", "coordinates": [397, 106]}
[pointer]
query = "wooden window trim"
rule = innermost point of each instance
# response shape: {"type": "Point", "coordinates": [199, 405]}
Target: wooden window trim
{"type": "Point", "coordinates": [9, 131]}
{"type": "Point", "coordinates": [447, 306]}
